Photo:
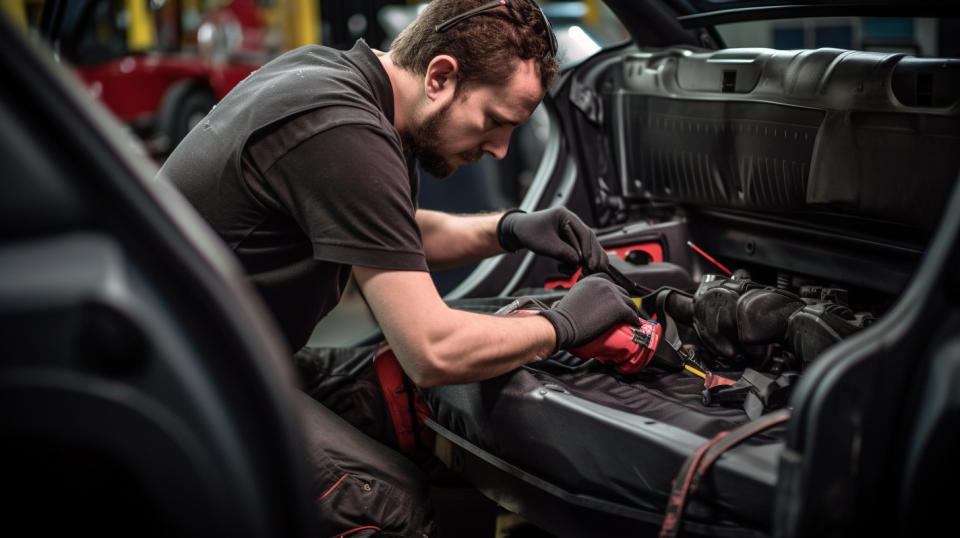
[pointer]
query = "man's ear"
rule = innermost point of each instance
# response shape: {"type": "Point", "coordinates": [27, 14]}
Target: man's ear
{"type": "Point", "coordinates": [440, 82]}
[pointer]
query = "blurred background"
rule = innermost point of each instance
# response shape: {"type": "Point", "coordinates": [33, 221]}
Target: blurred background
{"type": "Point", "coordinates": [159, 66]}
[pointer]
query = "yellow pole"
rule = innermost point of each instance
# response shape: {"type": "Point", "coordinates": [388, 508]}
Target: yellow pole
{"type": "Point", "coordinates": [303, 20]}
{"type": "Point", "coordinates": [16, 11]}
{"type": "Point", "coordinates": [141, 33]}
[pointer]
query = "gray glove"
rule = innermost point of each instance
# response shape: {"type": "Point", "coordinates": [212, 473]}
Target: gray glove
{"type": "Point", "coordinates": [555, 232]}
{"type": "Point", "coordinates": [590, 308]}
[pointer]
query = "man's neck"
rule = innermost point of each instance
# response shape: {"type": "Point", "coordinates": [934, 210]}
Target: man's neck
{"type": "Point", "coordinates": [404, 85]}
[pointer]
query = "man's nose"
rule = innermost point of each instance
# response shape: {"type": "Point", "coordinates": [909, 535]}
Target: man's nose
{"type": "Point", "coordinates": [497, 146]}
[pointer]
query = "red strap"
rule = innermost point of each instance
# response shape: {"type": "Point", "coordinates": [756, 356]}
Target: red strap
{"type": "Point", "coordinates": [407, 408]}
{"type": "Point", "coordinates": [681, 488]}
{"type": "Point", "coordinates": [698, 463]}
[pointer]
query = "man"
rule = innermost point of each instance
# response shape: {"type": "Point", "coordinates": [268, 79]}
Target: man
{"type": "Point", "coordinates": [307, 169]}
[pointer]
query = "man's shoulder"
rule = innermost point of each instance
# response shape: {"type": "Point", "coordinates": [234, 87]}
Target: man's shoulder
{"type": "Point", "coordinates": [316, 77]}
{"type": "Point", "coordinates": [364, 131]}
{"type": "Point", "coordinates": [347, 116]}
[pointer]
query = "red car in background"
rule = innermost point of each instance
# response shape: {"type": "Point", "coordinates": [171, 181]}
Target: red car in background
{"type": "Point", "coordinates": [159, 66]}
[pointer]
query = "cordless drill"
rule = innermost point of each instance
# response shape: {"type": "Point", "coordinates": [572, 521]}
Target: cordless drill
{"type": "Point", "coordinates": [629, 349]}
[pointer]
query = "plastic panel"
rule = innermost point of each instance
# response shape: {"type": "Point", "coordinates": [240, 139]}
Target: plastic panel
{"type": "Point", "coordinates": [720, 153]}
{"type": "Point", "coordinates": [87, 340]}
{"type": "Point", "coordinates": [812, 130]}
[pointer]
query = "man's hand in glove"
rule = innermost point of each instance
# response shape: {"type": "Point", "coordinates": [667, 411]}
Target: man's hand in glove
{"type": "Point", "coordinates": [555, 232]}
{"type": "Point", "coordinates": [590, 308]}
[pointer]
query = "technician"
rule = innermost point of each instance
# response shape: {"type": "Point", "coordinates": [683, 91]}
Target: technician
{"type": "Point", "coordinates": [308, 171]}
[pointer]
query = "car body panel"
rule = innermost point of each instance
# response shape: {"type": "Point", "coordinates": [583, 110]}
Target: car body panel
{"type": "Point", "coordinates": [826, 166]}
{"type": "Point", "coordinates": [143, 383]}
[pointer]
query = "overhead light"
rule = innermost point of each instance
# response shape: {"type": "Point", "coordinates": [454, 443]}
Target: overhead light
{"type": "Point", "coordinates": [583, 41]}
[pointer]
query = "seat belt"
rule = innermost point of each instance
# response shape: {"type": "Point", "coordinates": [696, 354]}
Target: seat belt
{"type": "Point", "coordinates": [697, 464]}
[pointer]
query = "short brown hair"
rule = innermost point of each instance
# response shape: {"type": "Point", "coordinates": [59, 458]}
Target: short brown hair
{"type": "Point", "coordinates": [485, 45]}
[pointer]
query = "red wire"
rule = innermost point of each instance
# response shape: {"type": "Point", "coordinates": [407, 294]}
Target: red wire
{"type": "Point", "coordinates": [358, 529]}
{"type": "Point", "coordinates": [709, 257]}
{"type": "Point", "coordinates": [330, 490]}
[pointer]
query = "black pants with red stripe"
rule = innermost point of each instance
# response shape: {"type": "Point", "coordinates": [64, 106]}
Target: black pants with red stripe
{"type": "Point", "coordinates": [362, 485]}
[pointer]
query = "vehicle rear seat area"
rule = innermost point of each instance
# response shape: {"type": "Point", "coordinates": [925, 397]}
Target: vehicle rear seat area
{"type": "Point", "coordinates": [609, 442]}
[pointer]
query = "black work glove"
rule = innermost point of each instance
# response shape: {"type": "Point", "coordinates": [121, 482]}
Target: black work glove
{"type": "Point", "coordinates": [590, 308]}
{"type": "Point", "coordinates": [555, 232]}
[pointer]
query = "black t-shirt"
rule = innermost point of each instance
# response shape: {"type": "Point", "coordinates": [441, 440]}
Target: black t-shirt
{"type": "Point", "coordinates": [316, 191]}
{"type": "Point", "coordinates": [338, 198]}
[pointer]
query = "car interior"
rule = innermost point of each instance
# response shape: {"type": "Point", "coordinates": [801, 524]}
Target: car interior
{"type": "Point", "coordinates": [786, 214]}
{"type": "Point", "coordinates": [790, 219]}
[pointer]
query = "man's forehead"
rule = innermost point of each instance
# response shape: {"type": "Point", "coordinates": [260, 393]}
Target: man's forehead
{"type": "Point", "coordinates": [516, 100]}
{"type": "Point", "coordinates": [523, 112]}
{"type": "Point", "coordinates": [531, 102]}
{"type": "Point", "coordinates": [524, 90]}
{"type": "Point", "coordinates": [526, 82]}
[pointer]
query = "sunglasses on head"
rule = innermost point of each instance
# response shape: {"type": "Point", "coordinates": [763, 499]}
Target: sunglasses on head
{"type": "Point", "coordinates": [453, 21]}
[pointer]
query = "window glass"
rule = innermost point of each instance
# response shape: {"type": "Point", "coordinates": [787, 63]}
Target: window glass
{"type": "Point", "coordinates": [916, 36]}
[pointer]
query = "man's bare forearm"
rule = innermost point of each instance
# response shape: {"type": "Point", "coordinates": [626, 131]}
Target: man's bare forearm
{"type": "Point", "coordinates": [437, 345]}
{"type": "Point", "coordinates": [454, 240]}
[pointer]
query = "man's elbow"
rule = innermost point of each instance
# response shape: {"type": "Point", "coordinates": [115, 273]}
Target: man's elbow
{"type": "Point", "coordinates": [429, 376]}
{"type": "Point", "coordinates": [429, 371]}
{"type": "Point", "coordinates": [427, 380]}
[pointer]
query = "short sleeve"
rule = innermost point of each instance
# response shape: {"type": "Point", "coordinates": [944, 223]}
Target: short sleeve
{"type": "Point", "coordinates": [349, 190]}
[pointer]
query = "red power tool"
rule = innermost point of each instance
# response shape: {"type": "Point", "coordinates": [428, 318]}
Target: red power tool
{"type": "Point", "coordinates": [629, 349]}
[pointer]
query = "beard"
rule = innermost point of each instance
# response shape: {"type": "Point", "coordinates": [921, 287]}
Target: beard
{"type": "Point", "coordinates": [424, 142]}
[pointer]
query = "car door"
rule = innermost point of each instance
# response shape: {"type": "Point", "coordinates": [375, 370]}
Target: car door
{"type": "Point", "coordinates": [143, 388]}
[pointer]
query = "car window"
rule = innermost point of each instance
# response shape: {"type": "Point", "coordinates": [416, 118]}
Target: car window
{"type": "Point", "coordinates": [914, 36]}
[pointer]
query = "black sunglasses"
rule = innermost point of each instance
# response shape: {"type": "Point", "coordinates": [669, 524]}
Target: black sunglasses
{"type": "Point", "coordinates": [453, 21]}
